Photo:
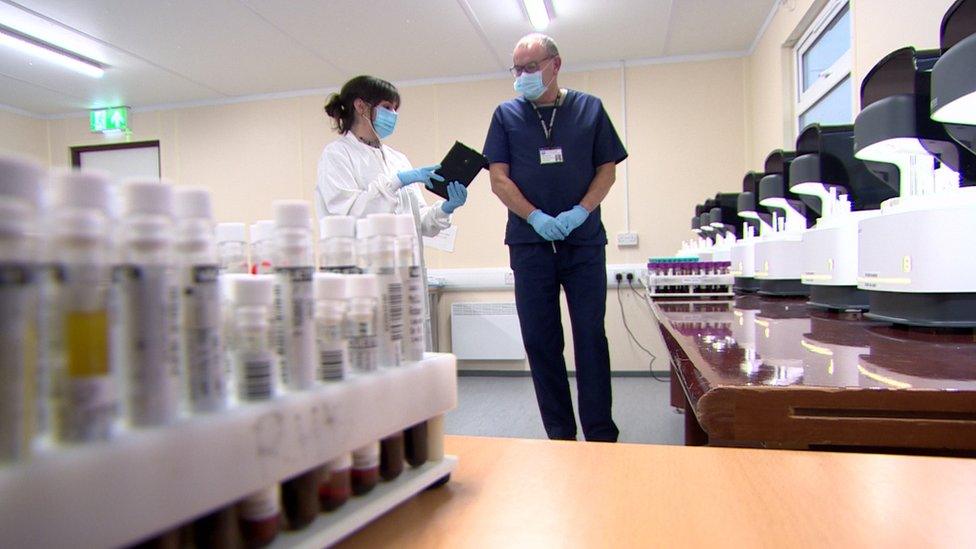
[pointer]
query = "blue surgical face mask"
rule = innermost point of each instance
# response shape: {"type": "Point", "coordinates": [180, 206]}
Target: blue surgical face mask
{"type": "Point", "coordinates": [530, 85]}
{"type": "Point", "coordinates": [385, 122]}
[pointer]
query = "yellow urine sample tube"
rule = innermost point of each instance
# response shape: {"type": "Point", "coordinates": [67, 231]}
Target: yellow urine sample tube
{"type": "Point", "coordinates": [86, 343]}
{"type": "Point", "coordinates": [88, 404]}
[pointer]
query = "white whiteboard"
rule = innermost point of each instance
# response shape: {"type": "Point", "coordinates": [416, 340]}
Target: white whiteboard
{"type": "Point", "coordinates": [141, 162]}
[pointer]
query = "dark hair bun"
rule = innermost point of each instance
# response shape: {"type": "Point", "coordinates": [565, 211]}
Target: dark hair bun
{"type": "Point", "coordinates": [333, 107]}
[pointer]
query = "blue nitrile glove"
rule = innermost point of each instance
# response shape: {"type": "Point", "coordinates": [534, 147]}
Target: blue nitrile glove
{"type": "Point", "coordinates": [423, 175]}
{"type": "Point", "coordinates": [546, 225]}
{"type": "Point", "coordinates": [570, 219]}
{"type": "Point", "coordinates": [457, 195]}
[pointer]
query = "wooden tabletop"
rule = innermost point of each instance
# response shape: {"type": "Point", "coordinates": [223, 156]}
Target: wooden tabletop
{"type": "Point", "coordinates": [778, 372]}
{"type": "Point", "coordinates": [537, 493]}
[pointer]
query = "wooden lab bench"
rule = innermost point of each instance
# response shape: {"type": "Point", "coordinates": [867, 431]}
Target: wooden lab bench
{"type": "Point", "coordinates": [777, 373]}
{"type": "Point", "coordinates": [539, 493]}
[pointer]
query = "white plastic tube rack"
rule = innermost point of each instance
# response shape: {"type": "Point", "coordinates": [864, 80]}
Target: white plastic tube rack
{"type": "Point", "coordinates": [146, 481]}
{"type": "Point", "coordinates": [655, 283]}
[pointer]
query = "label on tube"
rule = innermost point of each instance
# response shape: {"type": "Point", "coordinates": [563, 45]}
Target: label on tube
{"type": "Point", "coordinates": [151, 312]}
{"type": "Point", "coordinates": [362, 346]}
{"type": "Point", "coordinates": [332, 352]}
{"type": "Point", "coordinates": [414, 340]}
{"type": "Point", "coordinates": [295, 326]}
{"type": "Point", "coordinates": [17, 359]}
{"type": "Point", "coordinates": [201, 336]}
{"type": "Point", "coordinates": [50, 358]}
{"type": "Point", "coordinates": [257, 375]}
{"type": "Point", "coordinates": [391, 321]}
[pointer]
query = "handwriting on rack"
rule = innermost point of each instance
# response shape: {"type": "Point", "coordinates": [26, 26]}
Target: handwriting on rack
{"type": "Point", "coordinates": [302, 434]}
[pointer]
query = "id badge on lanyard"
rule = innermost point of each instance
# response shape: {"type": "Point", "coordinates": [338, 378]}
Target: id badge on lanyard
{"type": "Point", "coordinates": [550, 154]}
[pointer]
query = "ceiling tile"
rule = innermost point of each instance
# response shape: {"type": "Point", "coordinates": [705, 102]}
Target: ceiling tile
{"type": "Point", "coordinates": [218, 43]}
{"type": "Point", "coordinates": [407, 39]}
{"type": "Point", "coordinates": [706, 26]}
{"type": "Point", "coordinates": [128, 81]}
{"type": "Point", "coordinates": [172, 51]}
{"type": "Point", "coordinates": [36, 99]}
{"type": "Point", "coordinates": [587, 32]}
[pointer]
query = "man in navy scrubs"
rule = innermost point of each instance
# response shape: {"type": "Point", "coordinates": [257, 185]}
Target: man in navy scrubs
{"type": "Point", "coordinates": [553, 155]}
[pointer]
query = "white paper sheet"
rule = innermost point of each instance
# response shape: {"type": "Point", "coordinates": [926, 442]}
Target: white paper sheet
{"type": "Point", "coordinates": [443, 241]}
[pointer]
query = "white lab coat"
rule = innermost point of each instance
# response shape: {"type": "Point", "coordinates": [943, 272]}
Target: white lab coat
{"type": "Point", "coordinates": [356, 179]}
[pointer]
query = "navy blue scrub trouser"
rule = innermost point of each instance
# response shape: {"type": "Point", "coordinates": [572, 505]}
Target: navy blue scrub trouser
{"type": "Point", "coordinates": [582, 273]}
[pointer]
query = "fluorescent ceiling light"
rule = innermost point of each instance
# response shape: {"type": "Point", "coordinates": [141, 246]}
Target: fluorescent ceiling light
{"type": "Point", "coordinates": [538, 13]}
{"type": "Point", "coordinates": [36, 47]}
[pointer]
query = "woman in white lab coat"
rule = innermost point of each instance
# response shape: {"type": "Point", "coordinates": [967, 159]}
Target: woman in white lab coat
{"type": "Point", "coordinates": [359, 175]}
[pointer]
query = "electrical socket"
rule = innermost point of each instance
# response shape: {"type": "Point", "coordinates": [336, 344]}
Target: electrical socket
{"type": "Point", "coordinates": [622, 270]}
{"type": "Point", "coordinates": [626, 240]}
{"type": "Point", "coordinates": [624, 276]}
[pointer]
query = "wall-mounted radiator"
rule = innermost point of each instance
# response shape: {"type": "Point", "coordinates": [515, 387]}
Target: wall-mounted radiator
{"type": "Point", "coordinates": [486, 331]}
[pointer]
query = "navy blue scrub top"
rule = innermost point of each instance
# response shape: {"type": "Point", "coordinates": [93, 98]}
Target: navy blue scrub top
{"type": "Point", "coordinates": [587, 138]}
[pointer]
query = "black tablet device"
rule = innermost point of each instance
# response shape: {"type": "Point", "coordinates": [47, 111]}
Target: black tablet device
{"type": "Point", "coordinates": [462, 164]}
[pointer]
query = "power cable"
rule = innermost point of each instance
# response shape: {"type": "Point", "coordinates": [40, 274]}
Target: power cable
{"type": "Point", "coordinates": [623, 316]}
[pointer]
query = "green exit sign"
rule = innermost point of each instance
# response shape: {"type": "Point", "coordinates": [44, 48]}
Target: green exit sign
{"type": "Point", "coordinates": [111, 119]}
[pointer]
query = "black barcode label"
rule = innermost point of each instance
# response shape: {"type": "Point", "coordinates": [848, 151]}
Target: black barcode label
{"type": "Point", "coordinates": [277, 316]}
{"type": "Point", "coordinates": [295, 329]}
{"type": "Point", "coordinates": [173, 327]}
{"type": "Point", "coordinates": [416, 309]}
{"type": "Point", "coordinates": [298, 274]}
{"type": "Point", "coordinates": [302, 313]}
{"type": "Point", "coordinates": [342, 269]}
{"type": "Point", "coordinates": [394, 307]}
{"type": "Point", "coordinates": [362, 342]}
{"type": "Point", "coordinates": [257, 383]}
{"type": "Point", "coordinates": [363, 353]}
{"type": "Point", "coordinates": [204, 274]}
{"type": "Point", "coordinates": [330, 364]}
{"type": "Point", "coordinates": [201, 336]}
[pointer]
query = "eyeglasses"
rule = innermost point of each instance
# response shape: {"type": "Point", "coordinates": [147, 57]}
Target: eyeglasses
{"type": "Point", "coordinates": [530, 68]}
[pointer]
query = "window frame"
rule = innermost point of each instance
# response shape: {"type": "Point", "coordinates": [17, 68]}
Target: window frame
{"type": "Point", "coordinates": [833, 75]}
